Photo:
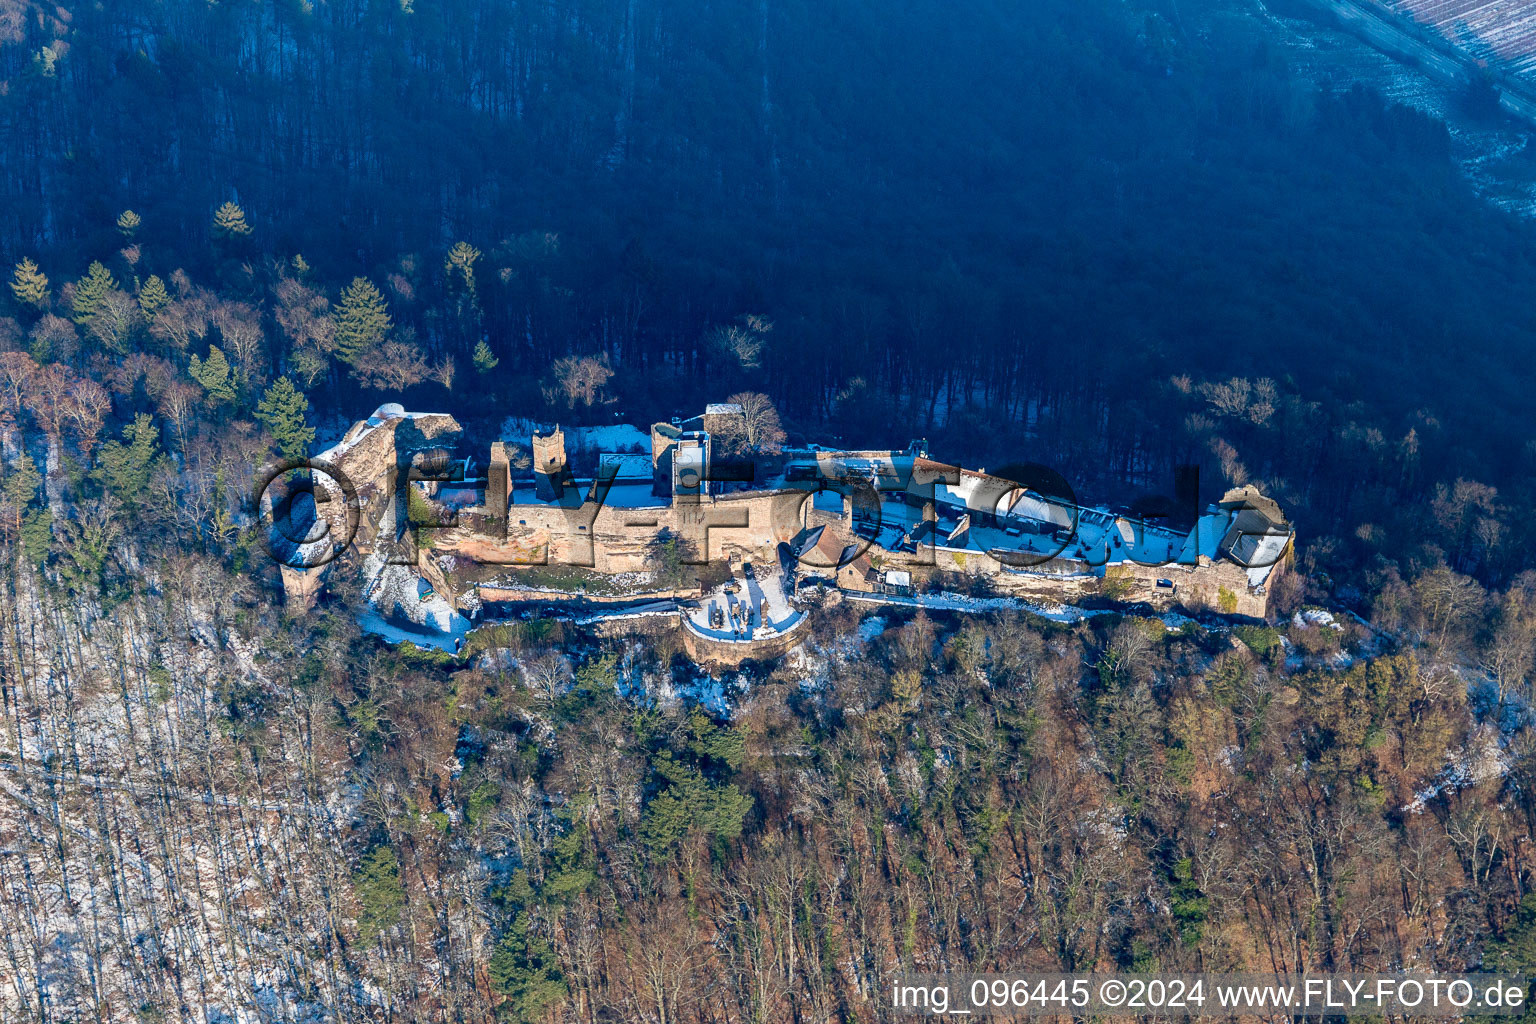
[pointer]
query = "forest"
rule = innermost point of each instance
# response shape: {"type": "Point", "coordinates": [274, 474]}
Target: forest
{"type": "Point", "coordinates": [1111, 238]}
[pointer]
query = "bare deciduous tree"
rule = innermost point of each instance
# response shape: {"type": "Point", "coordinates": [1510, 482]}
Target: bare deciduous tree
{"type": "Point", "coordinates": [181, 324]}
{"type": "Point", "coordinates": [239, 325]}
{"type": "Point", "coordinates": [115, 320]}
{"type": "Point", "coordinates": [579, 380]}
{"type": "Point", "coordinates": [178, 403]}
{"type": "Point", "coordinates": [87, 407]}
{"type": "Point", "coordinates": [16, 372]}
{"type": "Point", "coordinates": [392, 366]}
{"type": "Point", "coordinates": [47, 398]}
{"type": "Point", "coordinates": [756, 430]}
{"type": "Point", "coordinates": [743, 341]}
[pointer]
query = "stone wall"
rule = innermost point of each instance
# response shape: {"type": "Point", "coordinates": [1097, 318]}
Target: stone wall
{"type": "Point", "coordinates": [748, 524]}
{"type": "Point", "coordinates": [741, 525]}
{"type": "Point", "coordinates": [369, 459]}
{"type": "Point", "coordinates": [301, 587]}
{"type": "Point", "coordinates": [519, 594]}
{"type": "Point", "coordinates": [1220, 586]}
{"type": "Point", "coordinates": [498, 484]}
{"type": "Point", "coordinates": [716, 653]}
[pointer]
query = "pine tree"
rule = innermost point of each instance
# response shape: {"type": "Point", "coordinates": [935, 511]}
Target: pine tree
{"type": "Point", "coordinates": [125, 469]}
{"type": "Point", "coordinates": [229, 222]}
{"type": "Point", "coordinates": [300, 266]}
{"type": "Point", "coordinates": [380, 896]}
{"type": "Point", "coordinates": [362, 320]}
{"type": "Point", "coordinates": [30, 285]}
{"type": "Point", "coordinates": [36, 532]}
{"type": "Point", "coordinates": [460, 265]}
{"type": "Point", "coordinates": [128, 223]}
{"type": "Point", "coordinates": [1514, 951]}
{"type": "Point", "coordinates": [282, 411]}
{"type": "Point", "coordinates": [21, 488]}
{"type": "Point", "coordinates": [31, 526]}
{"type": "Point", "coordinates": [485, 360]}
{"type": "Point", "coordinates": [214, 375]}
{"type": "Point", "coordinates": [90, 290]}
{"type": "Point", "coordinates": [153, 297]}
{"type": "Point", "coordinates": [525, 969]}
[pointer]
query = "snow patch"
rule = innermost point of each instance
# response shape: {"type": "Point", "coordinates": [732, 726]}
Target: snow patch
{"type": "Point", "coordinates": [1482, 760]}
{"type": "Point", "coordinates": [1309, 618]}
{"type": "Point", "coordinates": [402, 610]}
{"type": "Point", "coordinates": [614, 437]}
{"type": "Point", "coordinates": [976, 605]}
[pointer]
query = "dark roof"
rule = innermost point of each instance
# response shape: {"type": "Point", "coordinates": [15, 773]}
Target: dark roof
{"type": "Point", "coordinates": [1249, 497]}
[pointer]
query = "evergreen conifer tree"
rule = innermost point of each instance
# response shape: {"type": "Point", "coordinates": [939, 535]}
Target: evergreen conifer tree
{"type": "Point", "coordinates": [153, 297]}
{"type": "Point", "coordinates": [362, 320]}
{"type": "Point", "coordinates": [214, 375]}
{"type": "Point", "coordinates": [485, 360]}
{"type": "Point", "coordinates": [460, 265]}
{"type": "Point", "coordinates": [90, 290]}
{"type": "Point", "coordinates": [125, 469]}
{"type": "Point", "coordinates": [525, 968]}
{"type": "Point", "coordinates": [282, 411]}
{"type": "Point", "coordinates": [128, 223]}
{"type": "Point", "coordinates": [46, 62]}
{"type": "Point", "coordinates": [21, 487]}
{"type": "Point", "coordinates": [30, 285]}
{"type": "Point", "coordinates": [380, 895]}
{"type": "Point", "coordinates": [31, 526]}
{"type": "Point", "coordinates": [229, 222]}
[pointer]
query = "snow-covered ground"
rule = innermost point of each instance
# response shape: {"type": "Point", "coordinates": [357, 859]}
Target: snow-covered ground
{"type": "Point", "coordinates": [400, 611]}
{"type": "Point", "coordinates": [665, 688]}
{"type": "Point", "coordinates": [751, 607]}
{"type": "Point", "coordinates": [966, 603]}
{"type": "Point", "coordinates": [614, 437]}
{"type": "Point", "coordinates": [1484, 758]}
{"type": "Point", "coordinates": [1491, 154]}
{"type": "Point", "coordinates": [652, 610]}
{"type": "Point", "coordinates": [871, 627]}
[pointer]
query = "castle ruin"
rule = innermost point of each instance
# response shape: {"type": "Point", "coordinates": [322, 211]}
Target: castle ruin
{"type": "Point", "coordinates": [885, 523]}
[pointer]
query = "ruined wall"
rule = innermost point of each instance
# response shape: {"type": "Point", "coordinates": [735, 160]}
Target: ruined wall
{"type": "Point", "coordinates": [368, 458]}
{"type": "Point", "coordinates": [300, 587]}
{"type": "Point", "coordinates": [512, 595]}
{"type": "Point", "coordinates": [498, 483]}
{"type": "Point", "coordinates": [369, 455]}
{"type": "Point", "coordinates": [1220, 586]}
{"type": "Point", "coordinates": [750, 525]}
{"type": "Point", "coordinates": [717, 653]}
{"type": "Point", "coordinates": [609, 539]}
{"type": "Point", "coordinates": [745, 525]}
{"type": "Point", "coordinates": [549, 464]}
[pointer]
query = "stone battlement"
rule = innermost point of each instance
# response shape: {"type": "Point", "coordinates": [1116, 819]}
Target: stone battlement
{"type": "Point", "coordinates": [867, 521]}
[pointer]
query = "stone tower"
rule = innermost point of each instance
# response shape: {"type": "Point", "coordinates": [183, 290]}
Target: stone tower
{"type": "Point", "coordinates": [498, 484]}
{"type": "Point", "coordinates": [690, 465]}
{"type": "Point", "coordinates": [548, 463]}
{"type": "Point", "coordinates": [663, 439]}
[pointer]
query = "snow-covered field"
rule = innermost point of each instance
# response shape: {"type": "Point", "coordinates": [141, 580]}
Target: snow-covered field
{"type": "Point", "coordinates": [1488, 153]}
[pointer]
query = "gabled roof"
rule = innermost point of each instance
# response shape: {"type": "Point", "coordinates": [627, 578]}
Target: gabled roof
{"type": "Point", "coordinates": [831, 553]}
{"type": "Point", "coordinates": [858, 563]}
